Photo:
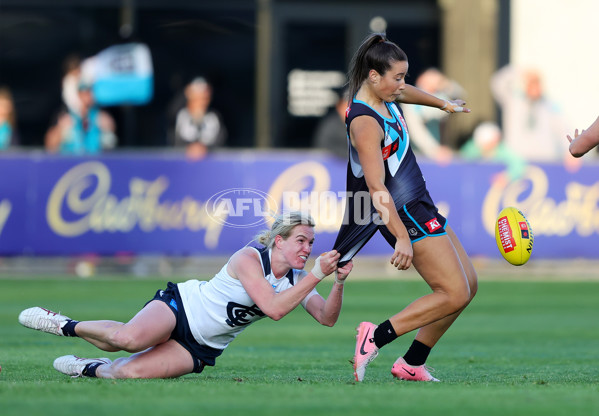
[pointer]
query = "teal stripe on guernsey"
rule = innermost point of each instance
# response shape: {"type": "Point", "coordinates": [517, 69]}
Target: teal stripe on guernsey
{"type": "Point", "coordinates": [392, 118]}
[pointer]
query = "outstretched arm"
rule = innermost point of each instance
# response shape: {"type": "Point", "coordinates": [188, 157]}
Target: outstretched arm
{"type": "Point", "coordinates": [585, 141]}
{"type": "Point", "coordinates": [413, 95]}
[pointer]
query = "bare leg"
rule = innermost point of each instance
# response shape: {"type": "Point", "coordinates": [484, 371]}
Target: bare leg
{"type": "Point", "coordinates": [151, 326]}
{"type": "Point", "coordinates": [166, 360]}
{"type": "Point", "coordinates": [438, 262]}
{"type": "Point", "coordinates": [431, 333]}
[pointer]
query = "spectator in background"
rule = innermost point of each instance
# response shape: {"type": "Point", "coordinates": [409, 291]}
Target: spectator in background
{"type": "Point", "coordinates": [87, 130]}
{"type": "Point", "coordinates": [531, 123]}
{"type": "Point", "coordinates": [330, 133]}
{"type": "Point", "coordinates": [486, 144]}
{"type": "Point", "coordinates": [198, 127]}
{"type": "Point", "coordinates": [426, 122]}
{"type": "Point", "coordinates": [8, 126]}
{"type": "Point", "coordinates": [584, 141]}
{"type": "Point", "coordinates": [70, 82]}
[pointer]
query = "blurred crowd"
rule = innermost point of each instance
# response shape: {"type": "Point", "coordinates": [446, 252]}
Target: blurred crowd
{"type": "Point", "coordinates": [531, 129]}
{"type": "Point", "coordinates": [83, 126]}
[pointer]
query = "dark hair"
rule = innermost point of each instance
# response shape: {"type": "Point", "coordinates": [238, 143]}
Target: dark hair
{"type": "Point", "coordinates": [376, 52]}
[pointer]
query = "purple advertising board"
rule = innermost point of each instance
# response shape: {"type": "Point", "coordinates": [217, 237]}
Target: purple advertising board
{"type": "Point", "coordinates": [164, 204]}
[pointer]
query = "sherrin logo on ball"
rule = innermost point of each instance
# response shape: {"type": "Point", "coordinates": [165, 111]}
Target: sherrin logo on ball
{"type": "Point", "coordinates": [514, 236]}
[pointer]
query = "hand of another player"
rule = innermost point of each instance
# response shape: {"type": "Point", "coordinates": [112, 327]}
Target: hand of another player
{"type": "Point", "coordinates": [576, 134]}
{"type": "Point", "coordinates": [343, 272]}
{"type": "Point", "coordinates": [455, 106]}
{"type": "Point", "coordinates": [402, 257]}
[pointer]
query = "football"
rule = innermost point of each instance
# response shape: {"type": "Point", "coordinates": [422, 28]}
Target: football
{"type": "Point", "coordinates": [514, 236]}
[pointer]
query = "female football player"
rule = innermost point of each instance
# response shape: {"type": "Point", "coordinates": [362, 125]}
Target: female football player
{"type": "Point", "coordinates": [187, 325]}
{"type": "Point", "coordinates": [383, 170]}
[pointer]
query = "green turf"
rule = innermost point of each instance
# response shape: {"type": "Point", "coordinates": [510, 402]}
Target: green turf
{"type": "Point", "coordinates": [521, 348]}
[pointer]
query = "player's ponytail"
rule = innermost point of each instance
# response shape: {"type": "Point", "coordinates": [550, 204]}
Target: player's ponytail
{"type": "Point", "coordinates": [375, 52]}
{"type": "Point", "coordinates": [264, 238]}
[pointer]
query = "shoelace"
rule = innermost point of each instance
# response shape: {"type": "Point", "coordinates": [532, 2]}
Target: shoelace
{"type": "Point", "coordinates": [50, 321]}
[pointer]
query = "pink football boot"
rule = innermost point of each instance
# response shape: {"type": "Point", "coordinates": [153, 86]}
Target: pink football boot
{"type": "Point", "coordinates": [404, 371]}
{"type": "Point", "coordinates": [366, 350]}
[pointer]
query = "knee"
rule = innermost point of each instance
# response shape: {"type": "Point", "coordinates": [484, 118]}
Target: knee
{"type": "Point", "coordinates": [466, 292]}
{"type": "Point", "coordinates": [126, 341]}
{"type": "Point", "coordinates": [459, 298]}
{"type": "Point", "coordinates": [472, 280]}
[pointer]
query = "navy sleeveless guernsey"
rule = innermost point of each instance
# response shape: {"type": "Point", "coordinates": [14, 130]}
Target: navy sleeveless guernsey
{"type": "Point", "coordinates": [403, 179]}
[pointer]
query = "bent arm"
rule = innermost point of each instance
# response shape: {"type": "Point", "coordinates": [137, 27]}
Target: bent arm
{"type": "Point", "coordinates": [245, 266]}
{"type": "Point", "coordinates": [327, 311]}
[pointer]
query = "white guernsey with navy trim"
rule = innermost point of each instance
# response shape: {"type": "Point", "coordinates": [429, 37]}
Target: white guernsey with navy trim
{"type": "Point", "coordinates": [219, 309]}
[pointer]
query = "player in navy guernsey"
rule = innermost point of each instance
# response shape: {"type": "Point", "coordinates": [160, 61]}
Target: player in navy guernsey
{"type": "Point", "coordinates": [386, 192]}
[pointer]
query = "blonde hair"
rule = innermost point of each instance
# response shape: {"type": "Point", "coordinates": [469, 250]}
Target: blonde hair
{"type": "Point", "coordinates": [283, 226]}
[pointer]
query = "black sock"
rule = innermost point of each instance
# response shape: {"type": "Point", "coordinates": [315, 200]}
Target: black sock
{"type": "Point", "coordinates": [384, 334]}
{"type": "Point", "coordinates": [90, 369]}
{"type": "Point", "coordinates": [69, 328]}
{"type": "Point", "coordinates": [417, 354]}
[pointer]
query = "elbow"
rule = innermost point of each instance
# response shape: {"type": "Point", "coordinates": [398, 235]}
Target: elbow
{"type": "Point", "coordinates": [275, 315]}
{"type": "Point", "coordinates": [329, 321]}
{"type": "Point", "coordinates": [576, 149]}
{"type": "Point", "coordinates": [375, 186]}
{"type": "Point", "coordinates": [576, 153]}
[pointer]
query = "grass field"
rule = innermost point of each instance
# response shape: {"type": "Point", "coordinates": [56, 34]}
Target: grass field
{"type": "Point", "coordinates": [521, 348]}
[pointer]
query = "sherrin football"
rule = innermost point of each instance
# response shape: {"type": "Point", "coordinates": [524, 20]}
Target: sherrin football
{"type": "Point", "coordinates": [514, 236]}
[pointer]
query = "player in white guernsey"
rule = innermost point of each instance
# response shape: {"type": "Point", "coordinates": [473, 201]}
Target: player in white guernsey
{"type": "Point", "coordinates": [187, 325]}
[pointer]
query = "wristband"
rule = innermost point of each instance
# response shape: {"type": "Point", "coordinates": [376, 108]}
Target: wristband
{"type": "Point", "coordinates": [445, 105]}
{"type": "Point", "coordinates": [339, 282]}
{"type": "Point", "coordinates": [317, 271]}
